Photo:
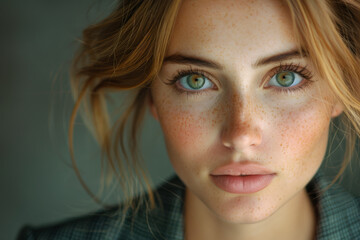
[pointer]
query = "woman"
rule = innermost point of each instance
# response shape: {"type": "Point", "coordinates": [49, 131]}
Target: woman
{"type": "Point", "coordinates": [244, 92]}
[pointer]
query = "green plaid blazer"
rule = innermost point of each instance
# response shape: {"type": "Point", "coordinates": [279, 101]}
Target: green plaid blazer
{"type": "Point", "coordinates": [338, 214]}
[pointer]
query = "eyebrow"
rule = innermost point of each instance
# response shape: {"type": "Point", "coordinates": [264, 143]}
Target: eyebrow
{"type": "Point", "coordinates": [279, 57]}
{"type": "Point", "coordinates": [186, 59]}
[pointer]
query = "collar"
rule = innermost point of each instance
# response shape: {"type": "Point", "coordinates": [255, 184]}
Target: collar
{"type": "Point", "coordinates": [338, 212]}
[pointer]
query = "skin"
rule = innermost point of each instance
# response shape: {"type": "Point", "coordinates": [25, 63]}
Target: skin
{"type": "Point", "coordinates": [241, 118]}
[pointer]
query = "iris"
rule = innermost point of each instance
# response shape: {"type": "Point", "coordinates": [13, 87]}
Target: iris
{"type": "Point", "coordinates": [195, 81]}
{"type": "Point", "coordinates": [285, 79]}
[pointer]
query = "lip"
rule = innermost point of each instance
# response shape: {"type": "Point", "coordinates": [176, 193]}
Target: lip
{"type": "Point", "coordinates": [242, 178]}
{"type": "Point", "coordinates": [238, 168]}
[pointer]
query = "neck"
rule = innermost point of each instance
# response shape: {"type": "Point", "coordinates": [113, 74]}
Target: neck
{"type": "Point", "coordinates": [295, 220]}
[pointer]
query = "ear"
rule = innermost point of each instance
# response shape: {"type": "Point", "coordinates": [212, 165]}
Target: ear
{"type": "Point", "coordinates": [152, 107]}
{"type": "Point", "coordinates": [338, 108]}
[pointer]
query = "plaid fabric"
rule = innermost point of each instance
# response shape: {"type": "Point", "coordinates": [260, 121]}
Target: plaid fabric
{"type": "Point", "coordinates": [338, 214]}
{"type": "Point", "coordinates": [338, 211]}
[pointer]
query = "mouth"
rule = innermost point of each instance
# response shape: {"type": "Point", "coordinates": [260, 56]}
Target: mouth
{"type": "Point", "coordinates": [241, 169]}
{"type": "Point", "coordinates": [242, 184]}
{"type": "Point", "coordinates": [242, 178]}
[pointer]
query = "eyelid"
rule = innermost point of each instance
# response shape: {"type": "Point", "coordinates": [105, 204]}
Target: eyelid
{"type": "Point", "coordinates": [184, 72]}
{"type": "Point", "coordinates": [296, 68]}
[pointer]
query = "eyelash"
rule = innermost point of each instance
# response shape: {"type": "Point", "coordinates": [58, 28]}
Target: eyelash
{"type": "Point", "coordinates": [296, 68]}
{"type": "Point", "coordinates": [183, 73]}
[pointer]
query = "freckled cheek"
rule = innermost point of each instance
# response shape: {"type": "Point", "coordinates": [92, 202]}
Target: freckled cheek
{"type": "Point", "coordinates": [303, 135]}
{"type": "Point", "coordinates": [187, 137]}
{"type": "Point", "coordinates": [184, 130]}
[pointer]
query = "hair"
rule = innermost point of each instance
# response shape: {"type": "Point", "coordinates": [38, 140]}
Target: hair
{"type": "Point", "coordinates": [125, 51]}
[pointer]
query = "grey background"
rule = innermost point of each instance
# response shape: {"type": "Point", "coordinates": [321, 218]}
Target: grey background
{"type": "Point", "coordinates": [38, 185]}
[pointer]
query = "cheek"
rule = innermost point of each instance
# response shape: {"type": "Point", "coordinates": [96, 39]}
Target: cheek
{"type": "Point", "coordinates": [303, 135]}
{"type": "Point", "coordinates": [186, 130]}
{"type": "Point", "coordinates": [182, 128]}
{"type": "Point", "coordinates": [186, 140]}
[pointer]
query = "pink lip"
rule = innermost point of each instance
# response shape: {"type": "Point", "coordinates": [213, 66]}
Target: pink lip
{"type": "Point", "coordinates": [242, 178]}
{"type": "Point", "coordinates": [239, 168]}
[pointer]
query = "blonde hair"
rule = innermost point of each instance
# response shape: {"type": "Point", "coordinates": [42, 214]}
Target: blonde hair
{"type": "Point", "coordinates": [122, 52]}
{"type": "Point", "coordinates": [125, 52]}
{"type": "Point", "coordinates": [329, 31]}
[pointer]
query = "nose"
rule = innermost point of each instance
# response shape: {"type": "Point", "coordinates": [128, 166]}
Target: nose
{"type": "Point", "coordinates": [241, 128]}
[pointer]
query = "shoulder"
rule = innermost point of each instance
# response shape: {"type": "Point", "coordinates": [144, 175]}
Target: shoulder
{"type": "Point", "coordinates": [163, 222]}
{"type": "Point", "coordinates": [90, 226]}
{"type": "Point", "coordinates": [338, 211]}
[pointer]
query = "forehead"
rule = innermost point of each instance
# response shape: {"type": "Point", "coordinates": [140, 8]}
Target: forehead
{"type": "Point", "coordinates": [232, 28]}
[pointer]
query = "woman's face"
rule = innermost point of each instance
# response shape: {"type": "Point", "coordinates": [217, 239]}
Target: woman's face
{"type": "Point", "coordinates": [241, 94]}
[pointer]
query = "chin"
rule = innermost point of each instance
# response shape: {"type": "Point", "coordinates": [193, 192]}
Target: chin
{"type": "Point", "coordinates": [245, 210]}
{"type": "Point", "coordinates": [245, 218]}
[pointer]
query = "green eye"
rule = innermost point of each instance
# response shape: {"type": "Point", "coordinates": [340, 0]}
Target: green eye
{"type": "Point", "coordinates": [195, 81]}
{"type": "Point", "coordinates": [285, 79]}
